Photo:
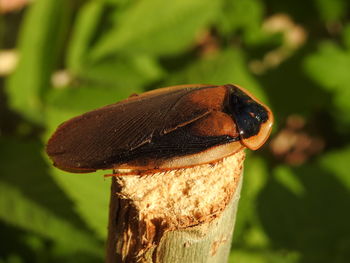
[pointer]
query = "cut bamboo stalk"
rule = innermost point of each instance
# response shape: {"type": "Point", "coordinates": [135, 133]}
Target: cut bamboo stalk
{"type": "Point", "coordinates": [184, 215]}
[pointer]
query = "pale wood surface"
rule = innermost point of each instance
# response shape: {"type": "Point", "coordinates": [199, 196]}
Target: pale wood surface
{"type": "Point", "coordinates": [182, 216]}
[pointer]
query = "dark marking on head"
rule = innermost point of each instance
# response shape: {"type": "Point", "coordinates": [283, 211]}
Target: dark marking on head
{"type": "Point", "coordinates": [248, 114]}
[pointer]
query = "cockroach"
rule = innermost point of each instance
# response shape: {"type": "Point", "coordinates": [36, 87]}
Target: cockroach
{"type": "Point", "coordinates": [164, 129]}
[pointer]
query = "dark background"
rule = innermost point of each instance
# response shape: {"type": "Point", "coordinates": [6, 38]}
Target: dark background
{"type": "Point", "coordinates": [62, 58]}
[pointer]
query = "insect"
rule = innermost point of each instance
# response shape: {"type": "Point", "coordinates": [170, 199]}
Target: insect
{"type": "Point", "coordinates": [163, 129]}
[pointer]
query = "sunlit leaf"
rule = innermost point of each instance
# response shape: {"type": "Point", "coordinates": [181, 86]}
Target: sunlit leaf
{"type": "Point", "coordinates": [255, 176]}
{"type": "Point", "coordinates": [329, 67]}
{"type": "Point", "coordinates": [84, 30]}
{"type": "Point", "coordinates": [346, 36]}
{"type": "Point", "coordinates": [286, 177]}
{"type": "Point", "coordinates": [127, 73]}
{"type": "Point", "coordinates": [225, 67]}
{"type": "Point", "coordinates": [76, 100]}
{"type": "Point", "coordinates": [90, 192]}
{"type": "Point", "coordinates": [245, 15]}
{"type": "Point", "coordinates": [42, 33]}
{"type": "Point", "coordinates": [157, 27]}
{"type": "Point", "coordinates": [17, 210]}
{"type": "Point", "coordinates": [337, 162]}
{"type": "Point", "coordinates": [333, 10]}
{"type": "Point", "coordinates": [23, 165]}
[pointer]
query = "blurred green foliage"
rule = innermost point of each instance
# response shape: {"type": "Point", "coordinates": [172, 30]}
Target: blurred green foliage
{"type": "Point", "coordinates": [75, 56]}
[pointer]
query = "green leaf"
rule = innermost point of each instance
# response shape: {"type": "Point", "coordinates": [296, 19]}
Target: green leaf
{"type": "Point", "coordinates": [90, 192]}
{"type": "Point", "coordinates": [285, 176]}
{"type": "Point", "coordinates": [71, 101]}
{"type": "Point", "coordinates": [17, 210]}
{"type": "Point", "coordinates": [18, 156]}
{"type": "Point", "coordinates": [292, 218]}
{"type": "Point", "coordinates": [83, 32]}
{"type": "Point", "coordinates": [329, 67]}
{"type": "Point", "coordinates": [43, 29]}
{"type": "Point", "coordinates": [157, 27]}
{"type": "Point", "coordinates": [32, 202]}
{"type": "Point", "coordinates": [127, 72]}
{"type": "Point", "coordinates": [346, 36]}
{"type": "Point", "coordinates": [245, 15]}
{"type": "Point", "coordinates": [331, 11]}
{"type": "Point", "coordinates": [255, 176]}
{"type": "Point", "coordinates": [249, 236]}
{"type": "Point", "coordinates": [228, 66]}
{"type": "Point", "coordinates": [337, 162]}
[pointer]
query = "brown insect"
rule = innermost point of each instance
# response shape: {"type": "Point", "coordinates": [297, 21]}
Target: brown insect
{"type": "Point", "coordinates": [168, 128]}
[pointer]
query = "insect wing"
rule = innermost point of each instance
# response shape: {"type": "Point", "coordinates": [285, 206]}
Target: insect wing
{"type": "Point", "coordinates": [90, 140]}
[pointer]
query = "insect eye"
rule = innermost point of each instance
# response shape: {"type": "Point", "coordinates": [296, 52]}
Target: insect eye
{"type": "Point", "coordinates": [253, 115]}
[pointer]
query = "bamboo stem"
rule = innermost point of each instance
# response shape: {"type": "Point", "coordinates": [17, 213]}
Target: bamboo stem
{"type": "Point", "coordinates": [184, 215]}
